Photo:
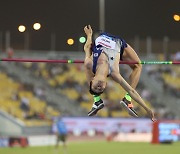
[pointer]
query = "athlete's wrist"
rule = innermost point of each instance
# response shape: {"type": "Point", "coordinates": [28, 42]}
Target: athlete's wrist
{"type": "Point", "coordinates": [89, 36]}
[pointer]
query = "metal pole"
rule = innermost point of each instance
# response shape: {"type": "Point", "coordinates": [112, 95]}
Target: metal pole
{"type": "Point", "coordinates": [102, 15]}
{"type": "Point", "coordinates": [26, 40]}
{"type": "Point", "coordinates": [136, 43]}
{"type": "Point", "coordinates": [165, 47]}
{"type": "Point", "coordinates": [53, 41]}
{"type": "Point", "coordinates": [7, 40]}
{"type": "Point", "coordinates": [1, 41]}
{"type": "Point", "coordinates": [149, 45]}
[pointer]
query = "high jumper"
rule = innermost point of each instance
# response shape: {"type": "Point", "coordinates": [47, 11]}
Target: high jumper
{"type": "Point", "coordinates": [102, 58]}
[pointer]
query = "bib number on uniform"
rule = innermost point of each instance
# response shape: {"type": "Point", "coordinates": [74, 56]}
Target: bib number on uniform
{"type": "Point", "coordinates": [105, 42]}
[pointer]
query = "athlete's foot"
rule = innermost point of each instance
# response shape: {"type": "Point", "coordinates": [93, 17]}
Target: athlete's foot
{"type": "Point", "coordinates": [96, 107]}
{"type": "Point", "coordinates": [129, 107]}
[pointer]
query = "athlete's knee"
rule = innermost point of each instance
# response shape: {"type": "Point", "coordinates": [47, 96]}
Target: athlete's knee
{"type": "Point", "coordinates": [137, 67]}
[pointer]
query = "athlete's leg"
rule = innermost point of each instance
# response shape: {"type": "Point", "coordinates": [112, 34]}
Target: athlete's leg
{"type": "Point", "coordinates": [126, 102]}
{"type": "Point", "coordinates": [130, 55]}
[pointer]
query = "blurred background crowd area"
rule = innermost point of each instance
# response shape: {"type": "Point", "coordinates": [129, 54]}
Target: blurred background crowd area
{"type": "Point", "coordinates": [36, 92]}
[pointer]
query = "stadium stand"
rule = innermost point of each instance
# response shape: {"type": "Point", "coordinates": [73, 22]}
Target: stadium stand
{"type": "Point", "coordinates": [20, 102]}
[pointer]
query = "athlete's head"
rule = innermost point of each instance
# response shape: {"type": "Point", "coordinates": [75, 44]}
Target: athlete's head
{"type": "Point", "coordinates": [97, 87]}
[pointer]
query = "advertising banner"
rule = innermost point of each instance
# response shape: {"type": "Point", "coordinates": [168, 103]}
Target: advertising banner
{"type": "Point", "coordinates": [108, 125]}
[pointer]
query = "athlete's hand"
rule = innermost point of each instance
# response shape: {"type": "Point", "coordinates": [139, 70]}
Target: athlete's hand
{"type": "Point", "coordinates": [88, 30]}
{"type": "Point", "coordinates": [151, 115]}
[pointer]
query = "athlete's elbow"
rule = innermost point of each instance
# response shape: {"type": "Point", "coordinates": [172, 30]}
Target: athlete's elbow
{"type": "Point", "coordinates": [88, 63]}
{"type": "Point", "coordinates": [85, 48]}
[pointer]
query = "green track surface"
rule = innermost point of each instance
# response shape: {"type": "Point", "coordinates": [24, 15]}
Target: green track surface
{"type": "Point", "coordinates": [99, 147]}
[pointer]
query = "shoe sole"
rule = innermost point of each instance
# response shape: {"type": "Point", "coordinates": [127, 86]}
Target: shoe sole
{"type": "Point", "coordinates": [131, 112]}
{"type": "Point", "coordinates": [92, 113]}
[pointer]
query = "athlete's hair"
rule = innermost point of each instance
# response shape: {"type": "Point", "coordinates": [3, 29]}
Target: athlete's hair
{"type": "Point", "coordinates": [92, 92]}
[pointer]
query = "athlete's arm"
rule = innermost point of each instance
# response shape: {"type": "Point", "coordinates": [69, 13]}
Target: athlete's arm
{"type": "Point", "coordinates": [88, 58]}
{"type": "Point", "coordinates": [87, 47]}
{"type": "Point", "coordinates": [119, 79]}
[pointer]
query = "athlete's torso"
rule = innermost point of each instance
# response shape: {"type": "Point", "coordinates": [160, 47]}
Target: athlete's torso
{"type": "Point", "coordinates": [111, 46]}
